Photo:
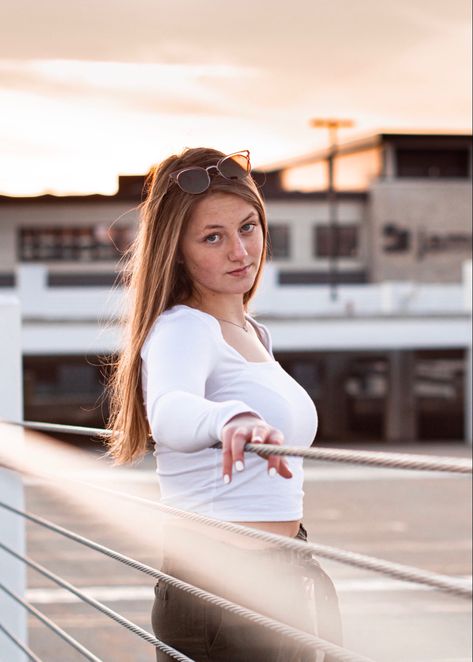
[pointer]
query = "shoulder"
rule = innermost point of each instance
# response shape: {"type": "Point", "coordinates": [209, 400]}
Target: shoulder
{"type": "Point", "coordinates": [181, 324]}
{"type": "Point", "coordinates": [263, 332]}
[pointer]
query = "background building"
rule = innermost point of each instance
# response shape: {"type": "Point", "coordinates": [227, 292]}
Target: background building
{"type": "Point", "coordinates": [370, 310]}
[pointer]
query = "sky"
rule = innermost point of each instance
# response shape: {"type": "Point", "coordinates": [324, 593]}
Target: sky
{"type": "Point", "coordinates": [90, 90]}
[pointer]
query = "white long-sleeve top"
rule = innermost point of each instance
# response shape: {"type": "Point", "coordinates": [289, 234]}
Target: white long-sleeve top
{"type": "Point", "coordinates": [193, 383]}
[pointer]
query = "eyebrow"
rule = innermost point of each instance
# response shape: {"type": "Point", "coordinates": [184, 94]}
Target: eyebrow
{"type": "Point", "coordinates": [219, 227]}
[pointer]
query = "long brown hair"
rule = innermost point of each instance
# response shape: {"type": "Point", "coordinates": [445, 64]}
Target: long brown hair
{"type": "Point", "coordinates": [154, 280]}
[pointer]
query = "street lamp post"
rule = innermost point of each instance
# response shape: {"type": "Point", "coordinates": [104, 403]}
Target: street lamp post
{"type": "Point", "coordinates": [332, 125]}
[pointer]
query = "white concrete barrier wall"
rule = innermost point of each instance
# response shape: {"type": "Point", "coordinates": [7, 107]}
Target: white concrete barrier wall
{"type": "Point", "coordinates": [99, 304]}
{"type": "Point", "coordinates": [12, 528]}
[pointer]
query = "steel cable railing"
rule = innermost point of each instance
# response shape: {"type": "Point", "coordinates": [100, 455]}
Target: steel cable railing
{"type": "Point", "coordinates": [337, 652]}
{"type": "Point", "coordinates": [370, 458]}
{"type": "Point", "coordinates": [395, 570]}
{"type": "Point", "coordinates": [454, 586]}
{"type": "Point", "coordinates": [174, 654]}
{"type": "Point", "coordinates": [52, 626]}
{"type": "Point", "coordinates": [28, 652]}
{"type": "Point", "coordinates": [393, 460]}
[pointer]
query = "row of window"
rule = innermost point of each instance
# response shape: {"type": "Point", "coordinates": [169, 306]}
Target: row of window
{"type": "Point", "coordinates": [95, 243]}
{"type": "Point", "coordinates": [432, 163]}
{"type": "Point", "coordinates": [85, 244]}
{"type": "Point", "coordinates": [436, 386]}
{"type": "Point", "coordinates": [339, 241]}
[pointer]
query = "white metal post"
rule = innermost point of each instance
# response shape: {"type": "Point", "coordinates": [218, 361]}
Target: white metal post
{"type": "Point", "coordinates": [12, 528]}
{"type": "Point", "coordinates": [468, 296]}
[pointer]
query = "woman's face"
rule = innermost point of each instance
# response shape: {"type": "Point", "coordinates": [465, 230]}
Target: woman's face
{"type": "Point", "coordinates": [224, 234]}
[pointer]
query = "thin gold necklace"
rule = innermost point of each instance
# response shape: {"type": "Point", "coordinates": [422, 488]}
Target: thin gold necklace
{"type": "Point", "coordinates": [234, 323]}
{"type": "Point", "coordinates": [245, 327]}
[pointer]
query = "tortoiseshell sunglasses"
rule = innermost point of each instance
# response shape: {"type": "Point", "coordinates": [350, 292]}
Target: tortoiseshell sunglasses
{"type": "Point", "coordinates": [197, 180]}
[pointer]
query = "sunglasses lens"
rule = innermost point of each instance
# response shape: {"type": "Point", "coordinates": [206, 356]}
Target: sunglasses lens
{"type": "Point", "coordinates": [194, 180]}
{"type": "Point", "coordinates": [235, 167]}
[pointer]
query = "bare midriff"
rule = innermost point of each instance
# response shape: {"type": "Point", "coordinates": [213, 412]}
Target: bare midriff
{"type": "Point", "coordinates": [182, 530]}
{"type": "Point", "coordinates": [289, 528]}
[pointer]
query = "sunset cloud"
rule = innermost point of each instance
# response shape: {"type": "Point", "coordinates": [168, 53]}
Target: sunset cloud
{"type": "Point", "coordinates": [92, 90]}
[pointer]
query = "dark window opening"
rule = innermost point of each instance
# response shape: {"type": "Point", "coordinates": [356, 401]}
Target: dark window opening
{"type": "Point", "coordinates": [439, 391]}
{"type": "Point", "coordinates": [65, 389]}
{"type": "Point", "coordinates": [83, 279]}
{"type": "Point", "coordinates": [339, 241]}
{"type": "Point", "coordinates": [432, 163]}
{"type": "Point", "coordinates": [366, 388]}
{"type": "Point", "coordinates": [279, 241]}
{"type": "Point", "coordinates": [353, 394]}
{"type": "Point", "coordinates": [7, 280]}
{"type": "Point", "coordinates": [341, 277]}
{"type": "Point", "coordinates": [76, 244]}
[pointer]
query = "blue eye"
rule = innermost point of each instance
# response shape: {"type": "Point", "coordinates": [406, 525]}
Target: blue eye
{"type": "Point", "coordinates": [215, 234]}
{"type": "Point", "coordinates": [210, 235]}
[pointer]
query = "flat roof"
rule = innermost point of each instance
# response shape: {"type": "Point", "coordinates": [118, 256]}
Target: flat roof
{"type": "Point", "coordinates": [415, 138]}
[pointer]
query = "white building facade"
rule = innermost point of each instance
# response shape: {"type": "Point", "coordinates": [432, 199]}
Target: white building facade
{"type": "Point", "coordinates": [376, 325]}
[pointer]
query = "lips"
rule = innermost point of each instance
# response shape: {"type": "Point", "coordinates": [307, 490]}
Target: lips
{"type": "Point", "coordinates": [239, 271]}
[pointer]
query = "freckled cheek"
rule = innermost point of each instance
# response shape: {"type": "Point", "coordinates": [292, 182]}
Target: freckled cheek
{"type": "Point", "coordinates": [203, 268]}
{"type": "Point", "coordinates": [257, 244]}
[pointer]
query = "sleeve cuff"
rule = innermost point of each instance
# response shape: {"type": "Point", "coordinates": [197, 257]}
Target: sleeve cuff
{"type": "Point", "coordinates": [231, 409]}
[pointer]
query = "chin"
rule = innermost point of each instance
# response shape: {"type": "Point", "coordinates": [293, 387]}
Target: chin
{"type": "Point", "coordinates": [240, 290]}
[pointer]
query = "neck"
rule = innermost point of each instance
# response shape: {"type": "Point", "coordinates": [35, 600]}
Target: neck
{"type": "Point", "coordinates": [231, 310]}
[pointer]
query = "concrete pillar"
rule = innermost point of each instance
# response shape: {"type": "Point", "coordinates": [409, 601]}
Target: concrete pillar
{"type": "Point", "coordinates": [334, 397]}
{"type": "Point", "coordinates": [389, 171]}
{"type": "Point", "coordinates": [400, 419]}
{"type": "Point", "coordinates": [12, 528]}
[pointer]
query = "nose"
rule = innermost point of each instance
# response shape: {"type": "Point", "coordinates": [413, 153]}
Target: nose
{"type": "Point", "coordinates": [237, 249]}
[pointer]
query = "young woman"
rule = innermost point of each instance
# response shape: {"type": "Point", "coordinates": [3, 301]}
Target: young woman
{"type": "Point", "coordinates": [197, 369]}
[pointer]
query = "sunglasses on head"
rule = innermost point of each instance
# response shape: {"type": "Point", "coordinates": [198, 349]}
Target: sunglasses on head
{"type": "Point", "coordinates": [197, 180]}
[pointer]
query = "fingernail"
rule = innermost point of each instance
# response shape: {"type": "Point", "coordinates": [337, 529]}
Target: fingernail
{"type": "Point", "coordinates": [226, 479]}
{"type": "Point", "coordinates": [239, 466]}
{"type": "Point", "coordinates": [272, 472]}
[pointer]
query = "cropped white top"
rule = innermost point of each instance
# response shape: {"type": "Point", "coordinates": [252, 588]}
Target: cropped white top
{"type": "Point", "coordinates": [194, 382]}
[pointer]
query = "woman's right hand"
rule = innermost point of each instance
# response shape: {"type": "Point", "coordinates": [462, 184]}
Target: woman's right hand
{"type": "Point", "coordinates": [244, 428]}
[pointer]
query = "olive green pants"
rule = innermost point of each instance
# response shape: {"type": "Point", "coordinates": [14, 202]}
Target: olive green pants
{"type": "Point", "coordinates": [207, 633]}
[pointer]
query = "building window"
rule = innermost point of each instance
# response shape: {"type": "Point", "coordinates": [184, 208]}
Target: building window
{"type": "Point", "coordinates": [365, 389]}
{"type": "Point", "coordinates": [307, 372]}
{"type": "Point", "coordinates": [81, 279]}
{"type": "Point", "coordinates": [341, 241]}
{"type": "Point", "coordinates": [279, 241]}
{"type": "Point", "coordinates": [432, 163]}
{"type": "Point", "coordinates": [75, 244]}
{"type": "Point", "coordinates": [7, 280]}
{"type": "Point", "coordinates": [64, 389]}
{"type": "Point", "coordinates": [439, 391]}
{"type": "Point", "coordinates": [340, 277]}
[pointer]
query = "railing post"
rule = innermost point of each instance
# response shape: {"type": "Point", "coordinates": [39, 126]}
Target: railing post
{"type": "Point", "coordinates": [12, 528]}
{"type": "Point", "coordinates": [467, 293]}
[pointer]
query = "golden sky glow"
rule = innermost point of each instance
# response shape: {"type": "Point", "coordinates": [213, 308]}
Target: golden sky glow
{"type": "Point", "coordinates": [92, 90]}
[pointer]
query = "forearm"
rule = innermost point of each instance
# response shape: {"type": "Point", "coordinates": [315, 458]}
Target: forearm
{"type": "Point", "coordinates": [186, 422]}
